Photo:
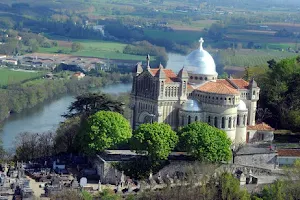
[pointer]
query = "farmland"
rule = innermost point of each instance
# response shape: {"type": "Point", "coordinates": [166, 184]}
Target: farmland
{"type": "Point", "coordinates": [9, 76]}
{"type": "Point", "coordinates": [245, 57]}
{"type": "Point", "coordinates": [100, 49]}
{"type": "Point", "coordinates": [181, 36]}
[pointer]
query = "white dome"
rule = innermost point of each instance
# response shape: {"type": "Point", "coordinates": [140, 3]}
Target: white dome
{"type": "Point", "coordinates": [242, 106]}
{"type": "Point", "coordinates": [200, 61]}
{"type": "Point", "coordinates": [191, 106]}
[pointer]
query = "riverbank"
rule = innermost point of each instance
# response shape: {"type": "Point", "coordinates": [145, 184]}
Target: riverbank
{"type": "Point", "coordinates": [27, 94]}
{"type": "Point", "coordinates": [46, 116]}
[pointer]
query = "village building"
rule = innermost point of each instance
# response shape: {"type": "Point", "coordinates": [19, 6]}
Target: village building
{"type": "Point", "coordinates": [196, 94]}
{"type": "Point", "coordinates": [79, 75]}
{"type": "Point", "coordinates": [287, 157]}
{"type": "Point", "coordinates": [9, 61]}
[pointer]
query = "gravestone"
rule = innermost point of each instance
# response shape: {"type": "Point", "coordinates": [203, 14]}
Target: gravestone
{"type": "Point", "coordinates": [122, 179]}
{"type": "Point", "coordinates": [99, 186]}
{"type": "Point", "coordinates": [151, 181]}
{"type": "Point", "coordinates": [83, 181]}
{"type": "Point", "coordinates": [159, 179]}
{"type": "Point", "coordinates": [242, 179]}
{"type": "Point", "coordinates": [75, 183]}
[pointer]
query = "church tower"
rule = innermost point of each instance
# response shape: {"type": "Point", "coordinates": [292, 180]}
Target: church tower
{"type": "Point", "coordinates": [254, 97]}
{"type": "Point", "coordinates": [137, 70]}
{"type": "Point", "coordinates": [184, 77]}
{"type": "Point", "coordinates": [241, 125]}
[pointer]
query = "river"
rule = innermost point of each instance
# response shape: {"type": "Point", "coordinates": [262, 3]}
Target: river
{"type": "Point", "coordinates": [44, 117]}
{"type": "Point", "coordinates": [47, 116]}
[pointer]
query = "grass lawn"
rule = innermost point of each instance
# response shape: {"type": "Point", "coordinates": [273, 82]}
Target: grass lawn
{"type": "Point", "coordinates": [100, 49]}
{"type": "Point", "coordinates": [8, 76]}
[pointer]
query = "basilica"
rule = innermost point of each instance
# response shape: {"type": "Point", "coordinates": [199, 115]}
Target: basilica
{"type": "Point", "coordinates": [196, 94]}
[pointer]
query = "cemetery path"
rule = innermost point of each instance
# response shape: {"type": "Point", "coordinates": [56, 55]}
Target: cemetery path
{"type": "Point", "coordinates": [35, 186]}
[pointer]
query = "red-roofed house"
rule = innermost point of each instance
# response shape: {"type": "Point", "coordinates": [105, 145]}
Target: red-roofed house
{"type": "Point", "coordinates": [194, 94]}
{"type": "Point", "coordinates": [261, 132]}
{"type": "Point", "coordinates": [79, 75]}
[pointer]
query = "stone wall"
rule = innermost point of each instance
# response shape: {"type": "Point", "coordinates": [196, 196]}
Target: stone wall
{"type": "Point", "coordinates": [107, 172]}
{"type": "Point", "coordinates": [267, 161]}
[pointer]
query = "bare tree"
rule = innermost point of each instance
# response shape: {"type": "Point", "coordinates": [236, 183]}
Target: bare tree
{"type": "Point", "coordinates": [263, 114]}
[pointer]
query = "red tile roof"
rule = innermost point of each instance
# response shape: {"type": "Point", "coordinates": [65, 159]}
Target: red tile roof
{"type": "Point", "coordinates": [189, 87]}
{"type": "Point", "coordinates": [289, 152]}
{"type": "Point", "coordinates": [217, 87]}
{"type": "Point", "coordinates": [261, 127]}
{"type": "Point", "coordinates": [225, 82]}
{"type": "Point", "coordinates": [170, 75]}
{"type": "Point", "coordinates": [241, 83]}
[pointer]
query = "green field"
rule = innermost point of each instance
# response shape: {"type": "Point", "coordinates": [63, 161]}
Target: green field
{"type": "Point", "coordinates": [99, 49]}
{"type": "Point", "coordinates": [176, 36]}
{"type": "Point", "coordinates": [8, 76]}
{"type": "Point", "coordinates": [242, 58]}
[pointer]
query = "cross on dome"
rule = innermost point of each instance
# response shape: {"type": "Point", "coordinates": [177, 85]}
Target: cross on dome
{"type": "Point", "coordinates": [201, 41]}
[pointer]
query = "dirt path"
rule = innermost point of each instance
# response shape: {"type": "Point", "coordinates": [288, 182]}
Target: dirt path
{"type": "Point", "coordinates": [35, 186]}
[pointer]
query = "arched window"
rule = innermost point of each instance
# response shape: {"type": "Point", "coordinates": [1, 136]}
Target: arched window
{"type": "Point", "coordinates": [206, 78]}
{"type": "Point", "coordinates": [223, 122]}
{"type": "Point", "coordinates": [196, 118]}
{"type": "Point", "coordinates": [201, 78]}
{"type": "Point", "coordinates": [238, 120]}
{"type": "Point", "coordinates": [229, 122]}
{"type": "Point", "coordinates": [216, 122]}
{"type": "Point", "coordinates": [244, 120]}
{"type": "Point", "coordinates": [234, 122]}
{"type": "Point", "coordinates": [191, 77]}
{"type": "Point", "coordinates": [196, 78]}
{"type": "Point", "coordinates": [189, 120]}
{"type": "Point", "coordinates": [208, 120]}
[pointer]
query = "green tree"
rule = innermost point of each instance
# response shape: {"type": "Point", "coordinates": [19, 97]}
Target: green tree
{"type": "Point", "coordinates": [229, 188]}
{"type": "Point", "coordinates": [156, 140]}
{"type": "Point", "coordinates": [280, 93]}
{"type": "Point", "coordinates": [90, 103]}
{"type": "Point", "coordinates": [204, 142]}
{"type": "Point", "coordinates": [103, 130]}
{"type": "Point", "coordinates": [274, 191]}
{"type": "Point", "coordinates": [108, 194]}
{"type": "Point", "coordinates": [65, 139]}
{"type": "Point", "coordinates": [76, 46]}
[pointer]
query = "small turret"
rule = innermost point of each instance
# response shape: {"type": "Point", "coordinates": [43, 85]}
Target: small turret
{"type": "Point", "coordinates": [161, 73]}
{"type": "Point", "coordinates": [138, 69]}
{"type": "Point", "coordinates": [252, 83]}
{"type": "Point", "coordinates": [148, 62]}
{"type": "Point", "coordinates": [183, 74]}
{"type": "Point", "coordinates": [254, 97]}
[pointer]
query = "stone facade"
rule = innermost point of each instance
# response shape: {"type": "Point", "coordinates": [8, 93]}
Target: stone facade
{"type": "Point", "coordinates": [194, 94]}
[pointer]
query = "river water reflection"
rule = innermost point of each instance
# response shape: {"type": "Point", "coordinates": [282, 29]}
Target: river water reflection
{"type": "Point", "coordinates": [47, 116]}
